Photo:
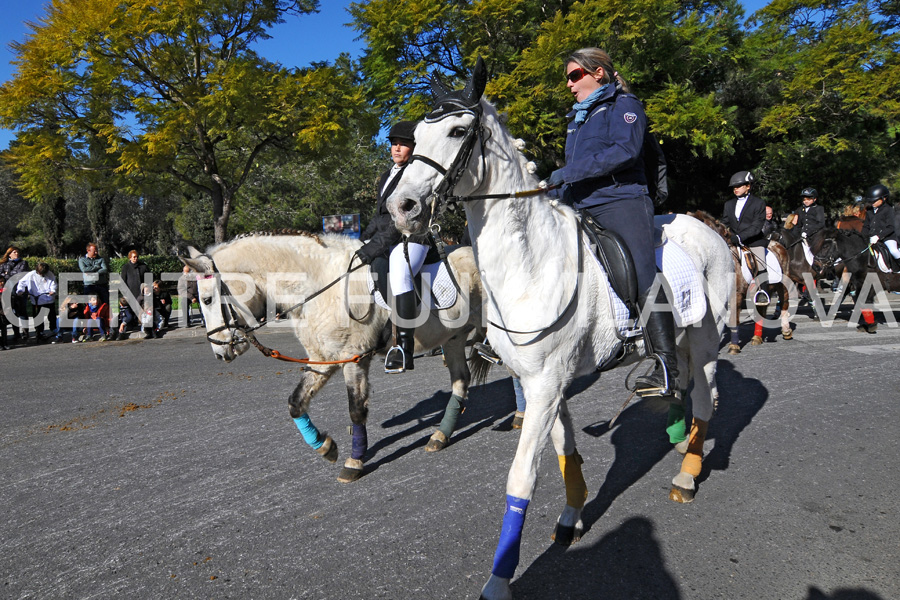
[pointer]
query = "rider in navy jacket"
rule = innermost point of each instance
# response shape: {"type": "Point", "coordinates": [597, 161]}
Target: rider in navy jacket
{"type": "Point", "coordinates": [604, 176]}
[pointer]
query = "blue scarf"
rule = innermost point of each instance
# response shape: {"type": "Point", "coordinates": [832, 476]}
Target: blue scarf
{"type": "Point", "coordinates": [582, 108]}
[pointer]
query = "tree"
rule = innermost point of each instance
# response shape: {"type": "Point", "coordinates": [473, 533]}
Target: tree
{"type": "Point", "coordinates": [832, 74]}
{"type": "Point", "coordinates": [674, 53]}
{"type": "Point", "coordinates": [169, 88]}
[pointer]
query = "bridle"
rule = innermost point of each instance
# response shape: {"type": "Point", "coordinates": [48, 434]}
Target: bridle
{"type": "Point", "coordinates": [238, 333]}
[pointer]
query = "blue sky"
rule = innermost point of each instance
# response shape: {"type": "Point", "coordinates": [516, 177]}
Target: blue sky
{"type": "Point", "coordinates": [297, 42]}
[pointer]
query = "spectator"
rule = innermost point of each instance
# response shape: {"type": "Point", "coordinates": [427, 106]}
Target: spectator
{"type": "Point", "coordinates": [12, 265]}
{"type": "Point", "coordinates": [133, 274]}
{"type": "Point", "coordinates": [852, 218]}
{"type": "Point", "coordinates": [40, 286]}
{"type": "Point", "coordinates": [187, 295]}
{"type": "Point", "coordinates": [770, 225]}
{"type": "Point", "coordinates": [96, 274]}
{"type": "Point", "coordinates": [69, 312]}
{"type": "Point", "coordinates": [127, 318]}
{"type": "Point", "coordinates": [96, 314]}
{"type": "Point", "coordinates": [3, 320]}
{"type": "Point", "coordinates": [162, 302]}
{"type": "Point", "coordinates": [150, 319]}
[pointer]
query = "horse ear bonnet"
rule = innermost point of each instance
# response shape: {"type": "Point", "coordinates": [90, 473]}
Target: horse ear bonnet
{"type": "Point", "coordinates": [448, 102]}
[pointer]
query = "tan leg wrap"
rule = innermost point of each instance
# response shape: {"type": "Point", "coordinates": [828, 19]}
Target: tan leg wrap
{"type": "Point", "coordinates": [576, 489]}
{"type": "Point", "coordinates": [693, 458]}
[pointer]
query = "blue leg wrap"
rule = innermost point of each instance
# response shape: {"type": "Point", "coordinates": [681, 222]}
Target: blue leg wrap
{"type": "Point", "coordinates": [309, 432]}
{"type": "Point", "coordinates": [360, 442]}
{"type": "Point", "coordinates": [735, 336]}
{"type": "Point", "coordinates": [520, 394]}
{"type": "Point", "coordinates": [506, 559]}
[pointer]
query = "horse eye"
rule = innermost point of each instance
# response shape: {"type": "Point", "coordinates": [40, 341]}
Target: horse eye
{"type": "Point", "coordinates": [457, 132]}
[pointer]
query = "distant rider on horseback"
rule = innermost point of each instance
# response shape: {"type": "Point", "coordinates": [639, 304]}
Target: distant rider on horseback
{"type": "Point", "coordinates": [879, 224]}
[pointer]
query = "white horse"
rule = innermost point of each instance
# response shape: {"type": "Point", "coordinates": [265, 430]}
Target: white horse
{"type": "Point", "coordinates": [539, 283]}
{"type": "Point", "coordinates": [269, 274]}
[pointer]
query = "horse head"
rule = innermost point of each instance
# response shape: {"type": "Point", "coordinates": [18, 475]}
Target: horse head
{"type": "Point", "coordinates": [224, 314]}
{"type": "Point", "coordinates": [446, 164]}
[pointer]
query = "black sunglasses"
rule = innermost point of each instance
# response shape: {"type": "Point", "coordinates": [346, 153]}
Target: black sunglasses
{"type": "Point", "coordinates": [576, 74]}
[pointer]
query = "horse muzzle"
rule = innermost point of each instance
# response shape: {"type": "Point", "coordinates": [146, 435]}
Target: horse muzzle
{"type": "Point", "coordinates": [409, 216]}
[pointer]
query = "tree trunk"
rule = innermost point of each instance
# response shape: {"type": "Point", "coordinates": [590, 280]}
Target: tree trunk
{"type": "Point", "coordinates": [52, 214]}
{"type": "Point", "coordinates": [98, 209]}
{"type": "Point", "coordinates": [221, 212]}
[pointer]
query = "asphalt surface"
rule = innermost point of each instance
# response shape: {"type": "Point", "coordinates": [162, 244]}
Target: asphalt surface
{"type": "Point", "coordinates": [148, 469]}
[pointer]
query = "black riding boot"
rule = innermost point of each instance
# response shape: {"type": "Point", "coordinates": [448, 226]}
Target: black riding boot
{"type": "Point", "coordinates": [662, 382]}
{"type": "Point", "coordinates": [397, 361]}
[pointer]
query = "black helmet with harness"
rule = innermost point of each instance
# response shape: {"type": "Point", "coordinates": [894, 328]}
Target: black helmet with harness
{"type": "Point", "coordinates": [877, 192]}
{"type": "Point", "coordinates": [741, 178]}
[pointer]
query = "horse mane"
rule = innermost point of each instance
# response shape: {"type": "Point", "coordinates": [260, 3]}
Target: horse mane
{"type": "Point", "coordinates": [273, 232]}
{"type": "Point", "coordinates": [713, 223]}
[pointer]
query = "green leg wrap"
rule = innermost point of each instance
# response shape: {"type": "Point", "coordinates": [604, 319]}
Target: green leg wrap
{"type": "Point", "coordinates": [455, 407]}
{"type": "Point", "coordinates": [675, 424]}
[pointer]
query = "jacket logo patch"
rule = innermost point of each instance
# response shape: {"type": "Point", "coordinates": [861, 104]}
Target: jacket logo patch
{"type": "Point", "coordinates": [630, 117]}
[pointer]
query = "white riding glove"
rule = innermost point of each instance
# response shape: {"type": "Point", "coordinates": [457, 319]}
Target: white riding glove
{"type": "Point", "coordinates": [873, 239]}
{"type": "Point", "coordinates": [803, 235]}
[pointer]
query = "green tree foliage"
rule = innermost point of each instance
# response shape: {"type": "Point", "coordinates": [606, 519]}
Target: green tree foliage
{"type": "Point", "coordinates": [832, 76]}
{"type": "Point", "coordinates": [168, 87]}
{"type": "Point", "coordinates": [674, 54]}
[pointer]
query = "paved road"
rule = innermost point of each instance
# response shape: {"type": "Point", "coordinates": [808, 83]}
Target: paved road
{"type": "Point", "coordinates": [147, 469]}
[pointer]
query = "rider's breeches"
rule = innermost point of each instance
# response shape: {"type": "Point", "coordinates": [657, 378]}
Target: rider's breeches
{"type": "Point", "coordinates": [892, 246]}
{"type": "Point", "coordinates": [633, 220]}
{"type": "Point", "coordinates": [401, 274]}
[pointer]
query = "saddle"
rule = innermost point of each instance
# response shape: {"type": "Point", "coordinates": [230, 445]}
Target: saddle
{"type": "Point", "coordinates": [616, 261]}
{"type": "Point", "coordinates": [881, 258]}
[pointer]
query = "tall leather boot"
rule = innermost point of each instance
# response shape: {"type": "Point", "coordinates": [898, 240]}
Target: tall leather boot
{"type": "Point", "coordinates": [662, 382]}
{"type": "Point", "coordinates": [396, 361]}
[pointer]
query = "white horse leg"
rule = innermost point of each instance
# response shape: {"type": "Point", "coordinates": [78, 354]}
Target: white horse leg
{"type": "Point", "coordinates": [310, 383]}
{"type": "Point", "coordinates": [543, 405]}
{"type": "Point", "coordinates": [356, 377]}
{"type": "Point", "coordinates": [455, 358]}
{"type": "Point", "coordinates": [569, 526]}
{"type": "Point", "coordinates": [704, 397]}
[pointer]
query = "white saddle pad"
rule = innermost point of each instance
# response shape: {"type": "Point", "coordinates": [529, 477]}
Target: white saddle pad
{"type": "Point", "coordinates": [443, 292]}
{"type": "Point", "coordinates": [689, 300]}
{"type": "Point", "coordinates": [774, 268]}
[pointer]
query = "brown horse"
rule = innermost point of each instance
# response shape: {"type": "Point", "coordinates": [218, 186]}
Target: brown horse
{"type": "Point", "coordinates": [742, 287]}
{"type": "Point", "coordinates": [798, 266]}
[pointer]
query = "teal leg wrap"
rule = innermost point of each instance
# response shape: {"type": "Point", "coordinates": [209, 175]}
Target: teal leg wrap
{"type": "Point", "coordinates": [675, 424]}
{"type": "Point", "coordinates": [454, 408]}
{"type": "Point", "coordinates": [309, 432]}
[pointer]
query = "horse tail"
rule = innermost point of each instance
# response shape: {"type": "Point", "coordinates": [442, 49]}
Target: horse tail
{"type": "Point", "coordinates": [479, 367]}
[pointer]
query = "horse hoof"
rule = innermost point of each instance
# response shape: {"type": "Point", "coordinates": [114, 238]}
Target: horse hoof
{"type": "Point", "coordinates": [328, 450]}
{"type": "Point", "coordinates": [682, 447]}
{"type": "Point", "coordinates": [518, 419]}
{"type": "Point", "coordinates": [756, 340]}
{"type": "Point", "coordinates": [681, 495]}
{"type": "Point", "coordinates": [787, 334]}
{"type": "Point", "coordinates": [566, 535]}
{"type": "Point", "coordinates": [351, 471]}
{"type": "Point", "coordinates": [734, 349]}
{"type": "Point", "coordinates": [864, 328]}
{"type": "Point", "coordinates": [437, 442]}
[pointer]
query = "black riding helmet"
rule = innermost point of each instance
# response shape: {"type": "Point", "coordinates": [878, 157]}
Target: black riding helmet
{"type": "Point", "coordinates": [740, 178]}
{"type": "Point", "coordinates": [876, 192]}
{"type": "Point", "coordinates": [403, 130]}
{"type": "Point", "coordinates": [809, 192]}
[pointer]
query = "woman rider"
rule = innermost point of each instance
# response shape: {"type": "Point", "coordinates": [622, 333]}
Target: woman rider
{"type": "Point", "coordinates": [383, 240]}
{"type": "Point", "coordinates": [604, 177]}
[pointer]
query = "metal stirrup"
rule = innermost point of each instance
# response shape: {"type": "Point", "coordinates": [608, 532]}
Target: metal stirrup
{"type": "Point", "coordinates": [402, 367]}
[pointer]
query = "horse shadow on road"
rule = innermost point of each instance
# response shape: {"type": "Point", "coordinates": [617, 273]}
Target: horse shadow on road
{"type": "Point", "coordinates": [489, 405]}
{"type": "Point", "coordinates": [626, 563]}
{"type": "Point", "coordinates": [608, 569]}
{"type": "Point", "coordinates": [640, 439]}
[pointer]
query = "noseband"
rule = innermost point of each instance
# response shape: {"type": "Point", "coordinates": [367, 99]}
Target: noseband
{"type": "Point", "coordinates": [442, 197]}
